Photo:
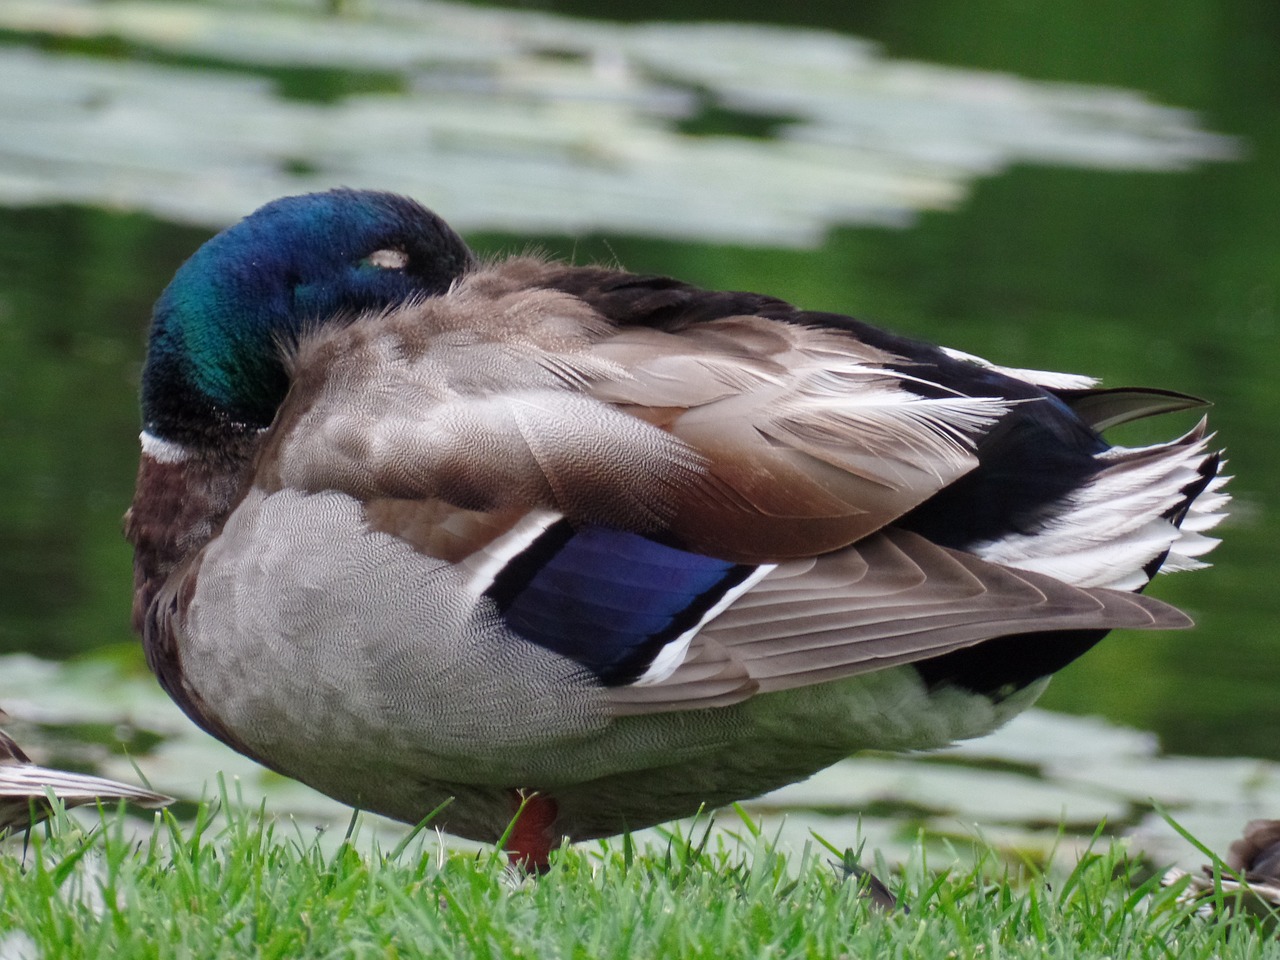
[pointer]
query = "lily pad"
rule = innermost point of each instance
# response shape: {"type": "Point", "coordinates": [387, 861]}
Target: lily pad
{"type": "Point", "coordinates": [535, 123]}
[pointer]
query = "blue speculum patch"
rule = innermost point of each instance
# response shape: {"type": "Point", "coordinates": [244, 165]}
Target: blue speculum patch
{"type": "Point", "coordinates": [609, 599]}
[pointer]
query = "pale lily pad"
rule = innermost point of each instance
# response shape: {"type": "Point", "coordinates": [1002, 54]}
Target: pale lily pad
{"type": "Point", "coordinates": [1182, 781]}
{"type": "Point", "coordinates": [990, 796]}
{"type": "Point", "coordinates": [1057, 740]}
{"type": "Point", "coordinates": [89, 691]}
{"type": "Point", "coordinates": [535, 123]}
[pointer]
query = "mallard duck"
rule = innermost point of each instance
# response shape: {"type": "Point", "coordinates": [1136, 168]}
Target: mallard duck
{"type": "Point", "coordinates": [602, 548]}
{"type": "Point", "coordinates": [25, 789]}
{"type": "Point", "coordinates": [1251, 882]}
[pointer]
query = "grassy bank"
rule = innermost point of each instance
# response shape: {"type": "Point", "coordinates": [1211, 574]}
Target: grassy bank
{"type": "Point", "coordinates": [240, 885]}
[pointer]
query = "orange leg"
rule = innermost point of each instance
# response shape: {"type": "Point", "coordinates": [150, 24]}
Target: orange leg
{"type": "Point", "coordinates": [533, 835]}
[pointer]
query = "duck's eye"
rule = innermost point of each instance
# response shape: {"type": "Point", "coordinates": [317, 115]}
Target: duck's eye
{"type": "Point", "coordinates": [389, 259]}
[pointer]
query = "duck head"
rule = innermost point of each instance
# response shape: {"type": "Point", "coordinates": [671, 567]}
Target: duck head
{"type": "Point", "coordinates": [215, 367]}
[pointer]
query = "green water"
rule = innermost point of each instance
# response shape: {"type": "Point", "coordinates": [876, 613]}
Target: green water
{"type": "Point", "coordinates": [1168, 280]}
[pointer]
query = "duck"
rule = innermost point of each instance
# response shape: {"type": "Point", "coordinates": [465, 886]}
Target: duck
{"type": "Point", "coordinates": [560, 551]}
{"type": "Point", "coordinates": [1249, 884]}
{"type": "Point", "coordinates": [25, 788]}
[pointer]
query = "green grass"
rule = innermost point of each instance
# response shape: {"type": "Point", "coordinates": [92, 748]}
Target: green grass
{"type": "Point", "coordinates": [234, 884]}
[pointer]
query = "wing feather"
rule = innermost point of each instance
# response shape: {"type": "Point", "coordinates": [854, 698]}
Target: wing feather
{"type": "Point", "coordinates": [892, 599]}
{"type": "Point", "coordinates": [740, 437]}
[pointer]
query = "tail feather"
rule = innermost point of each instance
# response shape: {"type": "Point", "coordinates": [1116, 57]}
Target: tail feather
{"type": "Point", "coordinates": [1146, 509]}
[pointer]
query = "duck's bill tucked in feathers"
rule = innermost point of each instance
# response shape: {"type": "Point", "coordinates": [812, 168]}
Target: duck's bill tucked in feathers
{"type": "Point", "coordinates": [627, 542]}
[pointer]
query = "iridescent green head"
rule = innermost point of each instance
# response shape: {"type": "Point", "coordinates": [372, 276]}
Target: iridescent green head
{"type": "Point", "coordinates": [215, 361]}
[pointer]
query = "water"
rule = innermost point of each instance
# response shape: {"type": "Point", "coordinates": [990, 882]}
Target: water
{"type": "Point", "coordinates": [1076, 228]}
